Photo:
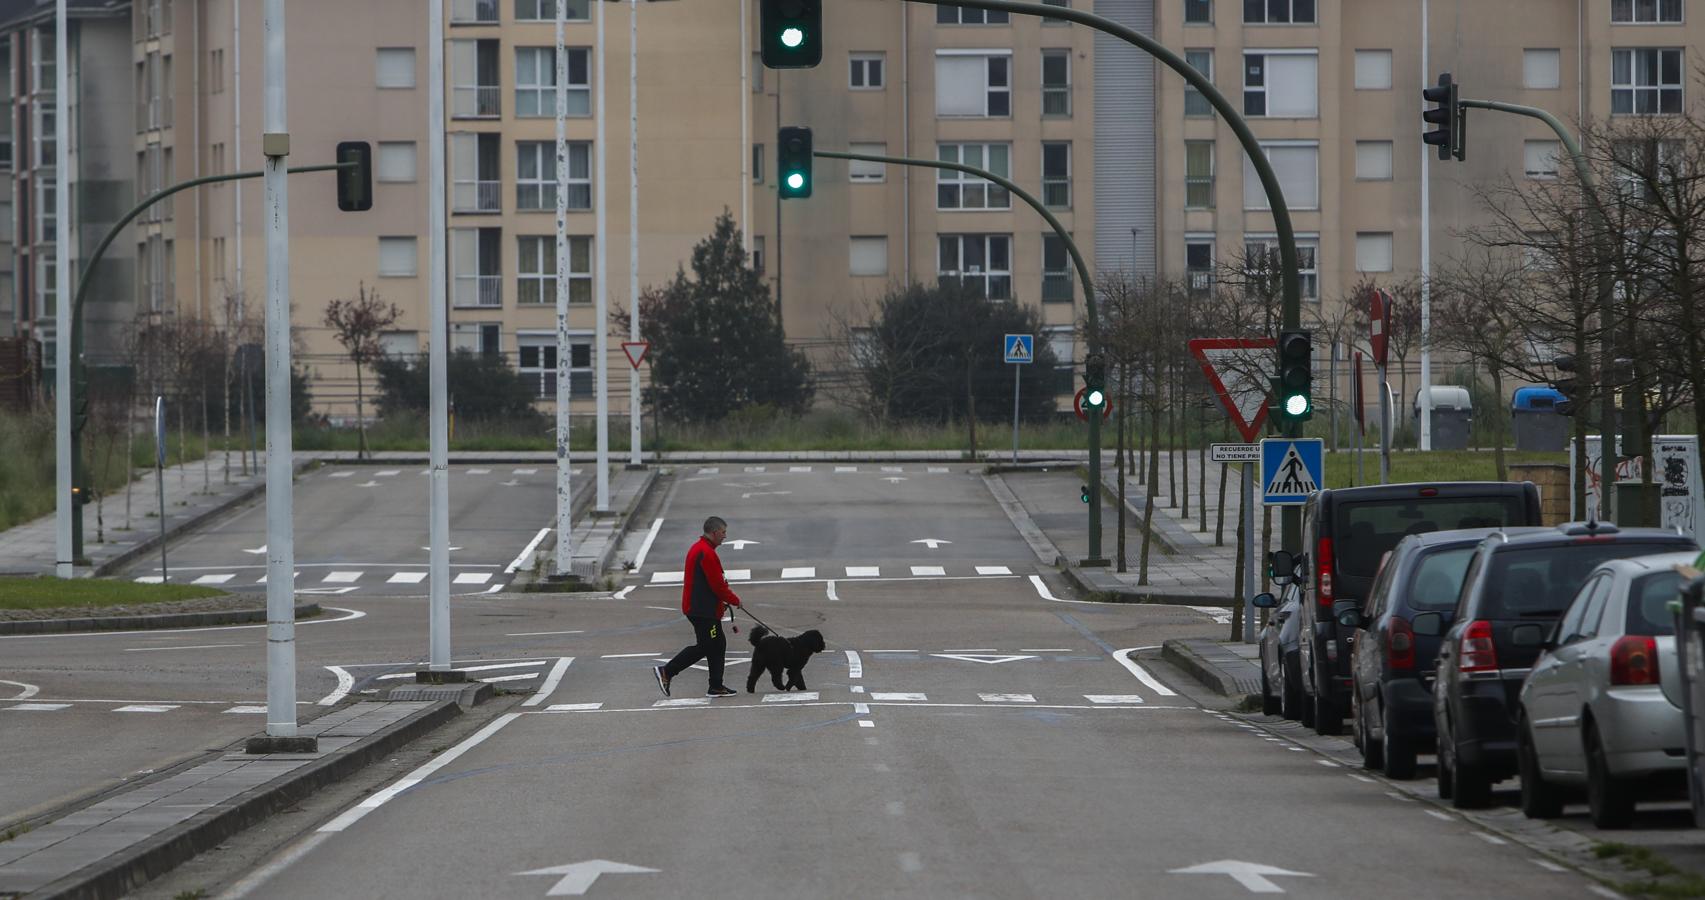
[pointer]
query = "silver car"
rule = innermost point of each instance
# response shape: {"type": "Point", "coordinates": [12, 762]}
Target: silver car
{"type": "Point", "coordinates": [1602, 706]}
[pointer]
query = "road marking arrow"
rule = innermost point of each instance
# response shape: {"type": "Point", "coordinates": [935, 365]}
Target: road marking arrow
{"type": "Point", "coordinates": [894, 479]}
{"type": "Point", "coordinates": [368, 484]}
{"type": "Point", "coordinates": [257, 551]}
{"type": "Point", "coordinates": [510, 483]}
{"type": "Point", "coordinates": [577, 877]}
{"type": "Point", "coordinates": [1253, 876]}
{"type": "Point", "coordinates": [934, 543]}
{"type": "Point", "coordinates": [740, 544]}
{"type": "Point", "coordinates": [750, 494]}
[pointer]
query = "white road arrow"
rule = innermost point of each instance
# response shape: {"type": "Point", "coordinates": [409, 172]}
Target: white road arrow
{"type": "Point", "coordinates": [750, 494]}
{"type": "Point", "coordinates": [739, 544]}
{"type": "Point", "coordinates": [934, 543]}
{"type": "Point", "coordinates": [893, 479]}
{"type": "Point", "coordinates": [1253, 876]}
{"type": "Point", "coordinates": [510, 483]}
{"type": "Point", "coordinates": [257, 551]}
{"type": "Point", "coordinates": [368, 484]}
{"type": "Point", "coordinates": [577, 877]}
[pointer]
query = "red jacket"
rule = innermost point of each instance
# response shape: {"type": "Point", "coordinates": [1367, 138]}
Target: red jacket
{"type": "Point", "coordinates": [704, 589]}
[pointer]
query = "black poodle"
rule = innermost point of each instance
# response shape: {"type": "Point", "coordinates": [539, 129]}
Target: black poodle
{"type": "Point", "coordinates": [775, 653]}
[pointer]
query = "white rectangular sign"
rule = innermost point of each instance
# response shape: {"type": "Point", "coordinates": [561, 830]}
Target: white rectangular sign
{"type": "Point", "coordinates": [1233, 453]}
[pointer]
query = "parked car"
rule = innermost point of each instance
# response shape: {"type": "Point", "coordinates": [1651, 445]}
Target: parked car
{"type": "Point", "coordinates": [1602, 708]}
{"type": "Point", "coordinates": [1281, 687]}
{"type": "Point", "coordinates": [1516, 588]}
{"type": "Point", "coordinates": [1391, 670]}
{"type": "Point", "coordinates": [1346, 532]}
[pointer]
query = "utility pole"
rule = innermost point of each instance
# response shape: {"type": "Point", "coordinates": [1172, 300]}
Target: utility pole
{"type": "Point", "coordinates": [601, 290]}
{"type": "Point", "coordinates": [564, 392]}
{"type": "Point", "coordinates": [64, 505]}
{"type": "Point", "coordinates": [438, 356]}
{"type": "Point", "coordinates": [635, 457]}
{"type": "Point", "coordinates": [1426, 435]}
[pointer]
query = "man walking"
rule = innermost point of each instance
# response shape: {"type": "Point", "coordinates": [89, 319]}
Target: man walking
{"type": "Point", "coordinates": [705, 596]}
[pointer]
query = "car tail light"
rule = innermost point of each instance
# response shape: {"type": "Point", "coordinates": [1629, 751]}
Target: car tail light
{"type": "Point", "coordinates": [1323, 576]}
{"type": "Point", "coordinates": [1400, 644]}
{"type": "Point", "coordinates": [1475, 651]}
{"type": "Point", "coordinates": [1634, 660]}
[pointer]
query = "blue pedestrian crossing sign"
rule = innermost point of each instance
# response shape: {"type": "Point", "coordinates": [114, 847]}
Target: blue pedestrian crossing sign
{"type": "Point", "coordinates": [1291, 470]}
{"type": "Point", "coordinates": [1020, 348]}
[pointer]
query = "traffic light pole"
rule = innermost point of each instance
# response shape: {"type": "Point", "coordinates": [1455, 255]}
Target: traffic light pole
{"type": "Point", "coordinates": [1609, 453]}
{"type": "Point", "coordinates": [79, 368]}
{"type": "Point", "coordinates": [1095, 558]}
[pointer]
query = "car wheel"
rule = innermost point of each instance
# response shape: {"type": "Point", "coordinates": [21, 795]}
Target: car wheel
{"type": "Point", "coordinates": [1373, 755]}
{"type": "Point", "coordinates": [1290, 690]}
{"type": "Point", "coordinates": [1540, 799]}
{"type": "Point", "coordinates": [1399, 750]}
{"type": "Point", "coordinates": [1446, 777]}
{"type": "Point", "coordinates": [1305, 709]}
{"type": "Point", "coordinates": [1269, 703]}
{"type": "Point", "coordinates": [1471, 785]}
{"type": "Point", "coordinates": [1611, 801]}
{"type": "Point", "coordinates": [1328, 719]}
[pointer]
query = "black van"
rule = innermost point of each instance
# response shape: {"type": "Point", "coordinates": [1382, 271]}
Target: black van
{"type": "Point", "coordinates": [1346, 532]}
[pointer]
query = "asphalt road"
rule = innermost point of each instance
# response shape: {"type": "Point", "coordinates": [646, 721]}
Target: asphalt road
{"type": "Point", "coordinates": [966, 735]}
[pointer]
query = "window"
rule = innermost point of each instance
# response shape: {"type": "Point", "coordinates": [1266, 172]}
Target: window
{"type": "Point", "coordinates": [484, 338]}
{"type": "Point", "coordinates": [394, 67]}
{"type": "Point", "coordinates": [1061, 339]}
{"type": "Point", "coordinates": [860, 170]}
{"type": "Point", "coordinates": [1645, 81]}
{"type": "Point", "coordinates": [758, 254]}
{"type": "Point", "coordinates": [865, 72]}
{"type": "Point", "coordinates": [982, 262]}
{"type": "Point", "coordinates": [1195, 102]}
{"type": "Point", "coordinates": [1056, 83]}
{"type": "Point", "coordinates": [218, 257]}
{"type": "Point", "coordinates": [471, 11]}
{"type": "Point", "coordinates": [1199, 261]}
{"type": "Point", "coordinates": [948, 14]}
{"type": "Point", "coordinates": [961, 190]}
{"type": "Point", "coordinates": [216, 71]}
{"type": "Point", "coordinates": [1057, 174]}
{"type": "Point", "coordinates": [1307, 249]}
{"type": "Point", "coordinates": [395, 162]}
{"type": "Point", "coordinates": [536, 361]}
{"type": "Point", "coordinates": [535, 82]}
{"type": "Point", "coordinates": [1063, 4]}
{"type": "Point", "coordinates": [1641, 166]}
{"type": "Point", "coordinates": [974, 84]}
{"type": "Point", "coordinates": [545, 10]}
{"type": "Point", "coordinates": [1297, 165]}
{"type": "Point", "coordinates": [1280, 85]}
{"type": "Point", "coordinates": [757, 163]}
{"type": "Point", "coordinates": [1278, 12]}
{"type": "Point", "coordinates": [757, 75]}
{"type": "Point", "coordinates": [868, 255]}
{"type": "Point", "coordinates": [398, 257]}
{"type": "Point", "coordinates": [216, 158]}
{"type": "Point", "coordinates": [1645, 12]}
{"type": "Point", "coordinates": [1198, 12]}
{"type": "Point", "coordinates": [1539, 158]}
{"type": "Point", "coordinates": [1373, 251]}
{"type": "Point", "coordinates": [1056, 270]}
{"type": "Point", "coordinates": [536, 270]}
{"type": "Point", "coordinates": [476, 267]}
{"type": "Point", "coordinates": [1541, 70]}
{"type": "Point", "coordinates": [400, 344]}
{"type": "Point", "coordinates": [536, 180]}
{"type": "Point", "coordinates": [1373, 70]}
{"type": "Point", "coordinates": [1198, 174]}
{"type": "Point", "coordinates": [1373, 160]}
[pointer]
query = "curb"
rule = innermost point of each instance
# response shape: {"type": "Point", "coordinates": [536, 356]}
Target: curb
{"type": "Point", "coordinates": [143, 623]}
{"type": "Point", "coordinates": [626, 522]}
{"type": "Point", "coordinates": [1202, 660]}
{"type": "Point", "coordinates": [206, 830]}
{"type": "Point", "coordinates": [1121, 592]}
{"type": "Point", "coordinates": [196, 521]}
{"type": "Point", "coordinates": [1040, 544]}
{"type": "Point", "coordinates": [1111, 494]}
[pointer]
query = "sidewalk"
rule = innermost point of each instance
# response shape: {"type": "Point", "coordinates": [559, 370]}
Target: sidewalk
{"type": "Point", "coordinates": [194, 493]}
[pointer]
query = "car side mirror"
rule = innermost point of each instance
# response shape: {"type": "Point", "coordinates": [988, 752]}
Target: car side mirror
{"type": "Point", "coordinates": [1264, 601]}
{"type": "Point", "coordinates": [1281, 567]}
{"type": "Point", "coordinates": [1430, 624]}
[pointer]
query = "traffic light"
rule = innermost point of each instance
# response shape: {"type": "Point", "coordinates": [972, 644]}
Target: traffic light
{"type": "Point", "coordinates": [79, 497]}
{"type": "Point", "coordinates": [793, 159]}
{"type": "Point", "coordinates": [1448, 116]}
{"type": "Point", "coordinates": [1094, 384]}
{"type": "Point", "coordinates": [1566, 385]}
{"type": "Point", "coordinates": [1083, 492]}
{"type": "Point", "coordinates": [1296, 376]}
{"type": "Point", "coordinates": [355, 184]}
{"type": "Point", "coordinates": [792, 33]}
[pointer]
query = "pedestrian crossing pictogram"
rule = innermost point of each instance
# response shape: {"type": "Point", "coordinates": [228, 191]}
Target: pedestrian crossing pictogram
{"type": "Point", "coordinates": [1020, 348]}
{"type": "Point", "coordinates": [1291, 470]}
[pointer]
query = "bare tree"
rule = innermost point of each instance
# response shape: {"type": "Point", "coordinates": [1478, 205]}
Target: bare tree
{"type": "Point", "coordinates": [357, 325]}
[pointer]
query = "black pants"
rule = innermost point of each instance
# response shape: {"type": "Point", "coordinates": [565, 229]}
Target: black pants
{"type": "Point", "coordinates": [712, 645]}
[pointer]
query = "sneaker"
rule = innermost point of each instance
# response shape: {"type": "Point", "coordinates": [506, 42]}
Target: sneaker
{"type": "Point", "coordinates": [662, 679]}
{"type": "Point", "coordinates": [720, 692]}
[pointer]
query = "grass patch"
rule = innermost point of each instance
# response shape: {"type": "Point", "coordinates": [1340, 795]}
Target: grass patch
{"type": "Point", "coordinates": [15, 831]}
{"type": "Point", "coordinates": [53, 593]}
{"type": "Point", "coordinates": [1439, 465]}
{"type": "Point", "coordinates": [1663, 879]}
{"type": "Point", "coordinates": [27, 465]}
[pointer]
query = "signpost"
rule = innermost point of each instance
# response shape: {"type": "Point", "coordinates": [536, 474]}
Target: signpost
{"type": "Point", "coordinates": [1232, 368]}
{"type": "Point", "coordinates": [160, 476]}
{"type": "Point", "coordinates": [1019, 350]}
{"type": "Point", "coordinates": [1357, 397]}
{"type": "Point", "coordinates": [1379, 324]}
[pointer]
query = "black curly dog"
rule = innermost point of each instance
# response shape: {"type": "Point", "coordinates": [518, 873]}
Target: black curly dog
{"type": "Point", "coordinates": [776, 653]}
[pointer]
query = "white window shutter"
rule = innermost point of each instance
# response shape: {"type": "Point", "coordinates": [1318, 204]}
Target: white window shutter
{"type": "Point", "coordinates": [1541, 69]}
{"type": "Point", "coordinates": [1373, 70]}
{"type": "Point", "coordinates": [1292, 91]}
{"type": "Point", "coordinates": [1373, 251]}
{"type": "Point", "coordinates": [395, 67]}
{"type": "Point", "coordinates": [961, 87]}
{"type": "Point", "coordinates": [868, 256]}
{"type": "Point", "coordinates": [1373, 160]}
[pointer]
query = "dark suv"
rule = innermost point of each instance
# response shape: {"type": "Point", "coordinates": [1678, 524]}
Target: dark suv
{"type": "Point", "coordinates": [1346, 532]}
{"type": "Point", "coordinates": [1516, 587]}
{"type": "Point", "coordinates": [1396, 645]}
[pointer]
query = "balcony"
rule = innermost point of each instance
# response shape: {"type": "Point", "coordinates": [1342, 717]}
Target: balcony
{"type": "Point", "coordinates": [479, 291]}
{"type": "Point", "coordinates": [477, 197]}
{"type": "Point", "coordinates": [476, 101]}
{"type": "Point", "coordinates": [473, 12]}
{"type": "Point", "coordinates": [1056, 287]}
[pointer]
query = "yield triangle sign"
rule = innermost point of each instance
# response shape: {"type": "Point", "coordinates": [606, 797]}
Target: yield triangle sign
{"type": "Point", "coordinates": [1234, 367]}
{"type": "Point", "coordinates": [636, 351]}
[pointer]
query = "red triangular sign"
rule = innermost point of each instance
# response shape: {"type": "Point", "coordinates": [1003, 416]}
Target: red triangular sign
{"type": "Point", "coordinates": [1243, 395]}
{"type": "Point", "coordinates": [636, 351]}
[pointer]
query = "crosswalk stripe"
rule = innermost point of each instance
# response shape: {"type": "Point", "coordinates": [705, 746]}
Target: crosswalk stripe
{"type": "Point", "coordinates": [340, 474]}
{"type": "Point", "coordinates": [406, 578]}
{"type": "Point", "coordinates": [1008, 698]}
{"type": "Point", "coordinates": [928, 570]}
{"type": "Point", "coordinates": [893, 469]}
{"type": "Point", "coordinates": [213, 579]}
{"type": "Point", "coordinates": [993, 570]}
{"type": "Point", "coordinates": [473, 578]}
{"type": "Point", "coordinates": [938, 470]}
{"type": "Point", "coordinates": [341, 577]}
{"type": "Point", "coordinates": [387, 473]}
{"type": "Point", "coordinates": [752, 470]}
{"type": "Point", "coordinates": [573, 707]}
{"type": "Point", "coordinates": [684, 701]}
{"type": "Point", "coordinates": [737, 574]}
{"type": "Point", "coordinates": [479, 471]}
{"type": "Point", "coordinates": [149, 579]}
{"type": "Point", "coordinates": [39, 707]}
{"type": "Point", "coordinates": [146, 708]}
{"type": "Point", "coordinates": [526, 472]}
{"type": "Point", "coordinates": [864, 571]}
{"type": "Point", "coordinates": [668, 577]}
{"type": "Point", "coordinates": [790, 697]}
{"type": "Point", "coordinates": [247, 710]}
{"type": "Point", "coordinates": [898, 696]}
{"type": "Point", "coordinates": [522, 677]}
{"type": "Point", "coordinates": [799, 468]}
{"type": "Point", "coordinates": [713, 470]}
{"type": "Point", "coordinates": [842, 470]}
{"type": "Point", "coordinates": [800, 572]}
{"type": "Point", "coordinates": [1113, 698]}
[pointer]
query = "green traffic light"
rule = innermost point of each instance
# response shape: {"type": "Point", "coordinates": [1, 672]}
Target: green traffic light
{"type": "Point", "coordinates": [792, 37]}
{"type": "Point", "coordinates": [1095, 399]}
{"type": "Point", "coordinates": [795, 180]}
{"type": "Point", "coordinates": [1296, 405]}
